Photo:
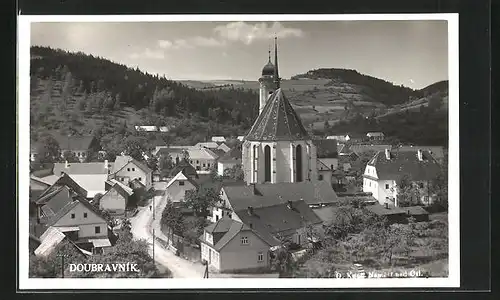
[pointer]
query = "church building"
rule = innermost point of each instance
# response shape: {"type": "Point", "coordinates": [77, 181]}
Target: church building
{"type": "Point", "coordinates": [278, 148]}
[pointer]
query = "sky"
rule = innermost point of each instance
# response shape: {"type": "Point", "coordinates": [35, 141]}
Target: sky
{"type": "Point", "coordinates": [413, 53]}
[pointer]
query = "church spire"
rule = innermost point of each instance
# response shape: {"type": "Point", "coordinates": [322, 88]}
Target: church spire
{"type": "Point", "coordinates": [269, 53]}
{"type": "Point", "coordinates": [276, 73]}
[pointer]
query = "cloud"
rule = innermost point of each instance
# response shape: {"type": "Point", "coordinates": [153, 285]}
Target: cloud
{"type": "Point", "coordinates": [246, 33]}
{"type": "Point", "coordinates": [148, 53]}
{"type": "Point", "coordinates": [190, 43]}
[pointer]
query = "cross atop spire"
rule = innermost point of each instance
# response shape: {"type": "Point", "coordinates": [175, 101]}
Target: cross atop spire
{"type": "Point", "coordinates": [276, 73]}
{"type": "Point", "coordinates": [269, 52]}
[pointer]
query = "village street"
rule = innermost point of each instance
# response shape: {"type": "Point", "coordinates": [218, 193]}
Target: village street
{"type": "Point", "coordinates": [142, 225]}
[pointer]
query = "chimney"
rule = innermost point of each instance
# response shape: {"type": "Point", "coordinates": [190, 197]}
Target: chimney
{"type": "Point", "coordinates": [387, 154]}
{"type": "Point", "coordinates": [250, 211]}
{"type": "Point", "coordinates": [386, 205]}
{"type": "Point", "coordinates": [289, 205]}
{"type": "Point", "coordinates": [66, 164]}
{"type": "Point", "coordinates": [419, 155]}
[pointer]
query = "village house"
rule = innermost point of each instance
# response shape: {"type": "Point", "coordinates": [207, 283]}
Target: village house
{"type": "Point", "coordinates": [240, 138]}
{"type": "Point", "coordinates": [115, 199]}
{"type": "Point", "coordinates": [218, 139]}
{"type": "Point", "coordinates": [125, 169]}
{"type": "Point", "coordinates": [375, 136]}
{"type": "Point", "coordinates": [80, 146]}
{"type": "Point", "coordinates": [338, 138]}
{"type": "Point", "coordinates": [228, 246]}
{"type": "Point", "coordinates": [202, 159]}
{"type": "Point", "coordinates": [327, 153]}
{"type": "Point", "coordinates": [90, 176]}
{"type": "Point", "coordinates": [64, 207]}
{"type": "Point", "coordinates": [229, 160]}
{"type": "Point", "coordinates": [176, 188]}
{"type": "Point", "coordinates": [386, 168]}
{"type": "Point", "coordinates": [52, 239]}
{"type": "Point", "coordinates": [146, 128]}
{"type": "Point", "coordinates": [324, 172]}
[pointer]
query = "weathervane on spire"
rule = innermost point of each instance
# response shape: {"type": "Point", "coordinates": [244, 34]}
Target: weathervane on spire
{"type": "Point", "coordinates": [276, 73]}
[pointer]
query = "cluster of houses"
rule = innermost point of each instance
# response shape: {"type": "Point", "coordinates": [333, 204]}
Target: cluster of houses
{"type": "Point", "coordinates": [69, 203]}
{"type": "Point", "coordinates": [286, 193]}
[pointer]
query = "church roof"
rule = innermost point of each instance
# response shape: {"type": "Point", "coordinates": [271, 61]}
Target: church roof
{"type": "Point", "coordinates": [277, 121]}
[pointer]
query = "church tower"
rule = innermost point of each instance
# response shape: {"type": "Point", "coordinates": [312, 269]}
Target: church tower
{"type": "Point", "coordinates": [266, 83]}
{"type": "Point", "coordinates": [278, 148]}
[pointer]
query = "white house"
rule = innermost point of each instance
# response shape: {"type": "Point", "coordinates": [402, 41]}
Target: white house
{"type": "Point", "coordinates": [324, 172]}
{"type": "Point", "coordinates": [202, 159]}
{"type": "Point", "coordinates": [176, 188]}
{"type": "Point", "coordinates": [374, 136]}
{"type": "Point", "coordinates": [240, 138]}
{"type": "Point", "coordinates": [386, 168]}
{"type": "Point", "coordinates": [116, 197]}
{"type": "Point", "coordinates": [229, 160]}
{"type": "Point", "coordinates": [126, 169]}
{"type": "Point", "coordinates": [218, 139]}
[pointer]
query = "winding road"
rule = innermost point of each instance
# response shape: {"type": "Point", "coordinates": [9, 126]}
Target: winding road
{"type": "Point", "coordinates": [142, 225]}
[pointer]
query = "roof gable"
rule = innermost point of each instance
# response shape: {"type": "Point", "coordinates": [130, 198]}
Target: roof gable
{"type": "Point", "coordinates": [64, 180]}
{"type": "Point", "coordinates": [181, 177]}
{"type": "Point", "coordinates": [123, 161]}
{"type": "Point", "coordinates": [278, 121]}
{"type": "Point", "coordinates": [405, 162]}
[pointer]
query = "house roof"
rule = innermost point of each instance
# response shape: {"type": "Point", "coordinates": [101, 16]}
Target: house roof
{"type": "Point", "coordinates": [63, 180]}
{"type": "Point", "coordinates": [218, 139]}
{"type": "Point", "coordinates": [41, 180]}
{"type": "Point", "coordinates": [219, 152]}
{"type": "Point", "coordinates": [234, 154]}
{"type": "Point", "coordinates": [436, 151]}
{"type": "Point", "coordinates": [51, 178]}
{"type": "Point", "coordinates": [120, 187]}
{"type": "Point", "coordinates": [181, 177]}
{"type": "Point", "coordinates": [405, 162]}
{"type": "Point", "coordinates": [186, 168]}
{"type": "Point", "coordinates": [49, 241]}
{"type": "Point", "coordinates": [270, 220]}
{"type": "Point", "coordinates": [136, 184]}
{"type": "Point", "coordinates": [359, 148]}
{"type": "Point", "coordinates": [326, 148]}
{"type": "Point", "coordinates": [354, 135]}
{"type": "Point", "coordinates": [210, 145]}
{"type": "Point", "coordinates": [370, 134]}
{"type": "Point", "coordinates": [231, 228]}
{"type": "Point", "coordinates": [123, 160]}
{"type": "Point", "coordinates": [322, 166]}
{"type": "Point", "coordinates": [382, 211]}
{"type": "Point", "coordinates": [81, 168]}
{"type": "Point", "coordinates": [74, 142]}
{"type": "Point", "coordinates": [257, 195]}
{"type": "Point", "coordinates": [224, 147]}
{"type": "Point", "coordinates": [201, 153]}
{"type": "Point", "coordinates": [278, 121]}
{"type": "Point", "coordinates": [92, 183]}
{"type": "Point", "coordinates": [146, 128]}
{"type": "Point", "coordinates": [415, 210]}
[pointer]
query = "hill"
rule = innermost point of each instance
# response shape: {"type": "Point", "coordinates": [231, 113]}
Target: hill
{"type": "Point", "coordinates": [75, 93]}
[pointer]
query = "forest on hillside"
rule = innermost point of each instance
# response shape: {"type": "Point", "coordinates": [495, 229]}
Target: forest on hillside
{"type": "Point", "coordinates": [133, 88]}
{"type": "Point", "coordinates": [380, 90]}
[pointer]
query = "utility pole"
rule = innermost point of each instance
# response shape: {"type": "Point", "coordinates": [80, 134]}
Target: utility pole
{"type": "Point", "coordinates": [62, 264]}
{"type": "Point", "coordinates": [154, 246]}
{"type": "Point", "coordinates": [154, 208]}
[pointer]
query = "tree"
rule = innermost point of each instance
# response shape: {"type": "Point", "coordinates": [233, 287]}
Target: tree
{"type": "Point", "coordinates": [172, 218]}
{"type": "Point", "coordinates": [235, 172]}
{"type": "Point", "coordinates": [48, 150]}
{"type": "Point", "coordinates": [282, 259]}
{"type": "Point", "coordinates": [406, 191]}
{"type": "Point", "coordinates": [166, 165]}
{"type": "Point", "coordinates": [152, 162]}
{"type": "Point", "coordinates": [96, 201]}
{"type": "Point", "coordinates": [117, 104]}
{"type": "Point", "coordinates": [70, 157]}
{"type": "Point", "coordinates": [136, 146]}
{"type": "Point", "coordinates": [201, 200]}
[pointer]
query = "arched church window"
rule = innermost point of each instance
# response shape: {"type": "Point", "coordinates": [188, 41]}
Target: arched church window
{"type": "Point", "coordinates": [267, 163]}
{"type": "Point", "coordinates": [298, 162]}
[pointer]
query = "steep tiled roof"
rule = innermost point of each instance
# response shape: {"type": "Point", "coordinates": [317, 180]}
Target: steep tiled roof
{"type": "Point", "coordinates": [64, 180]}
{"type": "Point", "coordinates": [277, 121]}
{"type": "Point", "coordinates": [361, 148]}
{"type": "Point", "coordinates": [436, 151]}
{"type": "Point", "coordinates": [258, 195]}
{"type": "Point", "coordinates": [382, 211]}
{"type": "Point", "coordinates": [186, 168]}
{"type": "Point", "coordinates": [405, 162]}
{"type": "Point", "coordinates": [326, 148]}
{"type": "Point", "coordinates": [82, 168]}
{"type": "Point", "coordinates": [201, 153]}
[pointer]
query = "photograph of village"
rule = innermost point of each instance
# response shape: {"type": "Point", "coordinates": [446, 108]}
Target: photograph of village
{"type": "Point", "coordinates": [290, 149]}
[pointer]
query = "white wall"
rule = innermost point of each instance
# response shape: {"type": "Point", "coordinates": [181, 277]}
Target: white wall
{"type": "Point", "coordinates": [221, 166]}
{"type": "Point", "coordinates": [131, 172]}
{"type": "Point", "coordinates": [176, 191]}
{"type": "Point", "coordinates": [113, 202]}
{"type": "Point", "coordinates": [329, 162]}
{"type": "Point", "coordinates": [86, 224]}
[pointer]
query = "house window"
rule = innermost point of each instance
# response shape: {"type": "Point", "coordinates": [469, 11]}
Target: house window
{"type": "Point", "coordinates": [331, 167]}
{"type": "Point", "coordinates": [128, 169]}
{"type": "Point", "coordinates": [140, 178]}
{"type": "Point", "coordinates": [386, 186]}
{"type": "Point", "coordinates": [72, 216]}
{"type": "Point", "coordinates": [260, 257]}
{"type": "Point", "coordinates": [84, 215]}
{"type": "Point", "coordinates": [216, 218]}
{"type": "Point", "coordinates": [181, 182]}
{"type": "Point", "coordinates": [244, 240]}
{"type": "Point", "coordinates": [320, 177]}
{"type": "Point", "coordinates": [208, 165]}
{"type": "Point", "coordinates": [198, 162]}
{"type": "Point", "coordinates": [123, 179]}
{"type": "Point", "coordinates": [204, 165]}
{"type": "Point", "coordinates": [133, 169]}
{"type": "Point", "coordinates": [97, 229]}
{"type": "Point", "coordinates": [83, 154]}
